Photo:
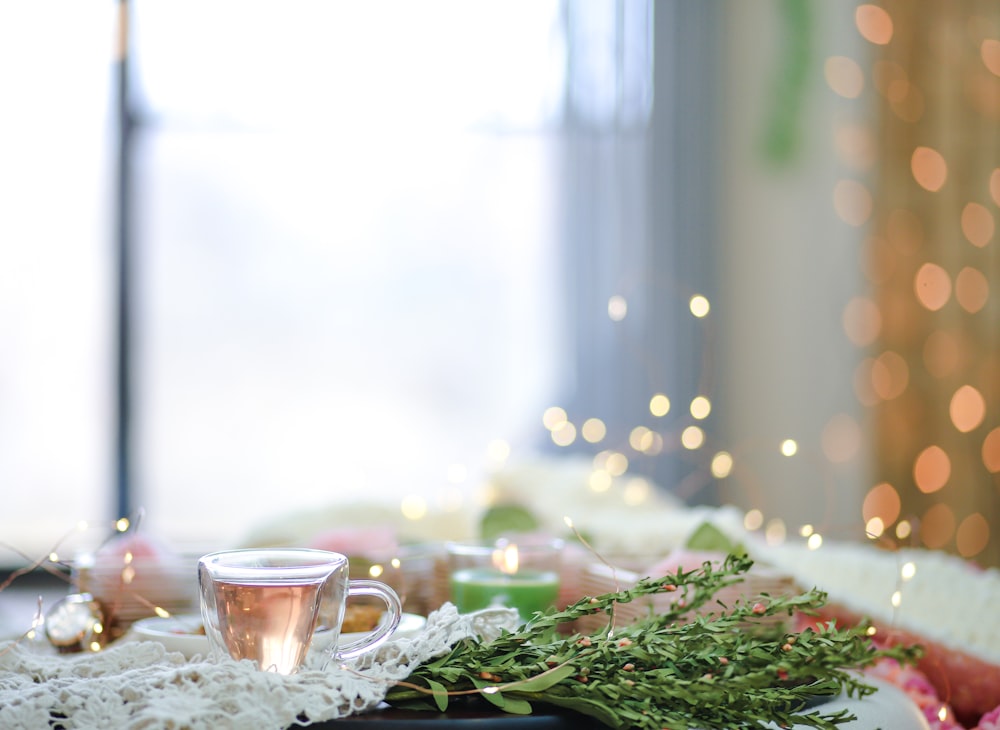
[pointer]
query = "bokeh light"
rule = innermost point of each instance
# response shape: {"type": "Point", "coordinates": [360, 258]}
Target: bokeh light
{"type": "Point", "coordinates": [722, 465]}
{"type": "Point", "coordinates": [989, 51]}
{"type": "Point", "coordinates": [967, 408]}
{"type": "Point", "coordinates": [973, 535]}
{"type": "Point", "coordinates": [844, 76]}
{"type": "Point", "coordinates": [882, 501]}
{"type": "Point", "coordinates": [932, 469]}
{"type": "Point", "coordinates": [874, 24]}
{"type": "Point", "coordinates": [932, 286]}
{"type": "Point", "coordinates": [413, 507]}
{"type": "Point", "coordinates": [972, 289]}
{"type": "Point", "coordinates": [862, 321]}
{"type": "Point", "coordinates": [600, 480]}
{"type": "Point", "coordinates": [593, 430]}
{"type": "Point", "coordinates": [564, 435]}
{"type": "Point", "coordinates": [991, 451]}
{"type": "Point", "coordinates": [890, 375]}
{"type": "Point", "coordinates": [753, 519]}
{"type": "Point", "coordinates": [852, 202]}
{"type": "Point", "coordinates": [701, 407]}
{"type": "Point", "coordinates": [929, 168]}
{"type": "Point", "coordinates": [554, 417]}
{"type": "Point", "coordinates": [659, 405]}
{"type": "Point", "coordinates": [699, 306]}
{"type": "Point", "coordinates": [692, 438]}
{"type": "Point", "coordinates": [977, 224]}
{"type": "Point", "coordinates": [617, 308]}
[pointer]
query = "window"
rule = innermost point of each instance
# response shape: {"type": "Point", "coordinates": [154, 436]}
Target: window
{"type": "Point", "coordinates": [56, 308]}
{"type": "Point", "coordinates": [359, 238]}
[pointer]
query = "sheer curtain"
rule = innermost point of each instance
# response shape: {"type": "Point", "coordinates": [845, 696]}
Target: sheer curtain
{"type": "Point", "coordinates": [934, 270]}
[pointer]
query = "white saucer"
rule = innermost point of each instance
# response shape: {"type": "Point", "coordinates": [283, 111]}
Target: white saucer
{"type": "Point", "coordinates": [183, 633]}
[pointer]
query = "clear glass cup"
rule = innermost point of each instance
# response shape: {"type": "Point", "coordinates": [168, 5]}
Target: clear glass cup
{"type": "Point", "coordinates": [271, 605]}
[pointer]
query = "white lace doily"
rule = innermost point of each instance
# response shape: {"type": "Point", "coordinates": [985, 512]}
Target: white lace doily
{"type": "Point", "coordinates": [142, 685]}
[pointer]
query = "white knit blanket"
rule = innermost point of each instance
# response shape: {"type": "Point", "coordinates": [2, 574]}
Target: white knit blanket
{"type": "Point", "coordinates": [142, 685]}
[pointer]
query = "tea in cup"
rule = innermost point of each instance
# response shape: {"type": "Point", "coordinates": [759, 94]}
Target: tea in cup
{"type": "Point", "coordinates": [269, 604]}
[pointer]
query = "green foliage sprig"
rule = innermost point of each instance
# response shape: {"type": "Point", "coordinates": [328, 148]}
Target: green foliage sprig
{"type": "Point", "coordinates": [729, 667]}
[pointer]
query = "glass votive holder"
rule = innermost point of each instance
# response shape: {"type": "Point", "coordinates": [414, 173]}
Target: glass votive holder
{"type": "Point", "coordinates": [523, 575]}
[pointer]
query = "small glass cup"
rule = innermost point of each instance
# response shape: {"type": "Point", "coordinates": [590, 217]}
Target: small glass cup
{"type": "Point", "coordinates": [517, 574]}
{"type": "Point", "coordinates": [268, 605]}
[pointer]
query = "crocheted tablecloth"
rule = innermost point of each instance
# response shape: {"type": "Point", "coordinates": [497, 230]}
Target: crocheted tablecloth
{"type": "Point", "coordinates": [142, 685]}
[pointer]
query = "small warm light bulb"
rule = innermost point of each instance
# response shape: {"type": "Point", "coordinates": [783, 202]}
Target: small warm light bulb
{"type": "Point", "coordinates": [753, 520]}
{"type": "Point", "coordinates": [701, 407]}
{"type": "Point", "coordinates": [395, 563]}
{"type": "Point", "coordinates": [897, 598]}
{"type": "Point", "coordinates": [874, 528]}
{"type": "Point", "coordinates": [122, 524]}
{"type": "Point", "coordinates": [774, 533]}
{"type": "Point", "coordinates": [593, 430]}
{"type": "Point", "coordinates": [617, 308]}
{"type": "Point", "coordinates": [871, 631]}
{"type": "Point", "coordinates": [161, 612]}
{"type": "Point", "coordinates": [616, 463]}
{"type": "Point", "coordinates": [908, 571]}
{"type": "Point", "coordinates": [569, 521]}
{"type": "Point", "coordinates": [98, 628]}
{"type": "Point", "coordinates": [95, 646]}
{"type": "Point", "coordinates": [806, 530]}
{"type": "Point", "coordinates": [903, 529]}
{"type": "Point", "coordinates": [128, 557]}
{"type": "Point", "coordinates": [722, 465]}
{"type": "Point", "coordinates": [53, 557]}
{"type": "Point", "coordinates": [376, 570]}
{"type": "Point", "coordinates": [636, 492]}
{"type": "Point", "coordinates": [599, 481]}
{"type": "Point", "coordinates": [692, 438]}
{"type": "Point", "coordinates": [943, 713]}
{"type": "Point", "coordinates": [699, 306]}
{"type": "Point", "coordinates": [789, 447]}
{"type": "Point", "coordinates": [554, 418]}
{"type": "Point", "coordinates": [564, 435]}
{"type": "Point", "coordinates": [815, 541]}
{"type": "Point", "coordinates": [413, 507]}
{"type": "Point", "coordinates": [659, 405]}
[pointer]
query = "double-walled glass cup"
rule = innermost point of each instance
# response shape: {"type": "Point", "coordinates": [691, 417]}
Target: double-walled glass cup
{"type": "Point", "coordinates": [271, 605]}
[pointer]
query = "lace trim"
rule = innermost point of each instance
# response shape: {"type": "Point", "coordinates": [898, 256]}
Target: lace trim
{"type": "Point", "coordinates": [142, 685]}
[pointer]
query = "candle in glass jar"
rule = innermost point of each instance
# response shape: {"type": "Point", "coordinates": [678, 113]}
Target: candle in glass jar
{"type": "Point", "coordinates": [504, 582]}
{"type": "Point", "coordinates": [528, 591]}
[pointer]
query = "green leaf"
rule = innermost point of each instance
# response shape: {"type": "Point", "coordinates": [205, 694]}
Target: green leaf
{"type": "Point", "coordinates": [542, 682]}
{"type": "Point", "coordinates": [440, 694]}
{"type": "Point", "coordinates": [504, 519]}
{"type": "Point", "coordinates": [709, 538]}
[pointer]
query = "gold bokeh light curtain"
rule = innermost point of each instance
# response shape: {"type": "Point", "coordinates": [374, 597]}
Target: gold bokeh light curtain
{"type": "Point", "coordinates": [933, 380]}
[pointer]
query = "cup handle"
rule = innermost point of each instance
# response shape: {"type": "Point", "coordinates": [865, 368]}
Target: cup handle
{"type": "Point", "coordinates": [382, 632]}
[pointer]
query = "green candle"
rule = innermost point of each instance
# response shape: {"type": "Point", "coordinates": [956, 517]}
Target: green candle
{"type": "Point", "coordinates": [527, 590]}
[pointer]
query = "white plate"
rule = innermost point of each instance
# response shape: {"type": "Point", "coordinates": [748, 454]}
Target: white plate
{"type": "Point", "coordinates": [183, 633]}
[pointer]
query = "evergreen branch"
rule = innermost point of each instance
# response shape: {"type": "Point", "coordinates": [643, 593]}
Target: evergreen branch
{"type": "Point", "coordinates": [728, 667]}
